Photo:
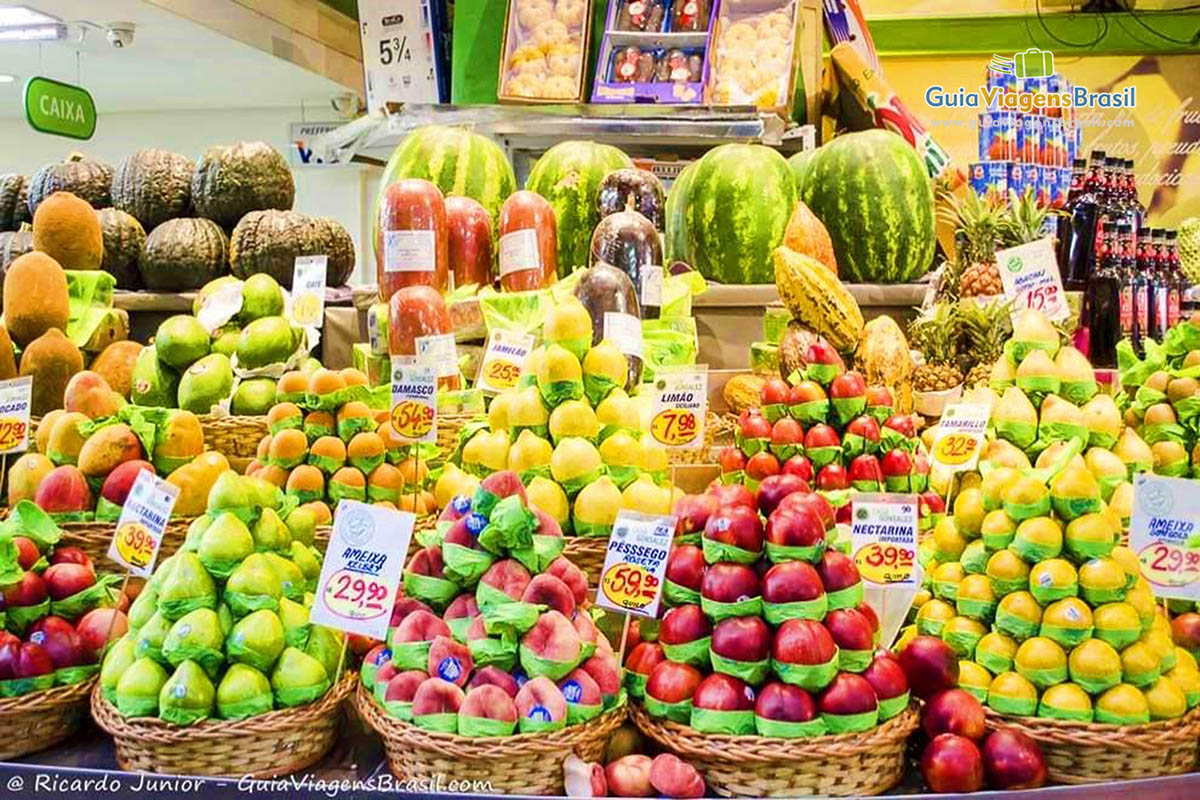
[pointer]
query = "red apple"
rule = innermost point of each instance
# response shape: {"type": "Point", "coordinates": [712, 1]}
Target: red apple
{"type": "Point", "coordinates": [806, 392]}
{"type": "Point", "coordinates": [952, 763]}
{"type": "Point", "coordinates": [33, 660]}
{"type": "Point", "coordinates": [10, 654]}
{"type": "Point", "coordinates": [795, 526]}
{"type": "Point", "coordinates": [71, 555]}
{"type": "Point", "coordinates": [774, 391]}
{"type": "Point", "coordinates": [799, 466]}
{"type": "Point", "coordinates": [721, 692]}
{"type": "Point", "coordinates": [896, 464]}
{"type": "Point", "coordinates": [27, 552]}
{"type": "Point", "coordinates": [784, 702]}
{"type": "Point", "coordinates": [932, 502]}
{"type": "Point", "coordinates": [821, 352]}
{"type": "Point", "coordinates": [64, 647]}
{"type": "Point", "coordinates": [761, 465]}
{"type": "Point", "coordinates": [737, 526]}
{"type": "Point", "coordinates": [733, 494]}
{"type": "Point", "coordinates": [864, 426]}
{"type": "Point", "coordinates": [684, 624]}
{"type": "Point", "coordinates": [847, 385]}
{"type": "Point", "coordinates": [727, 583]}
{"type": "Point", "coordinates": [930, 666]}
{"type": "Point", "coordinates": [693, 511]}
{"type": "Point", "coordinates": [29, 591]}
{"type": "Point", "coordinates": [865, 609]}
{"type": "Point", "coordinates": [847, 693]}
{"type": "Point", "coordinates": [1185, 629]}
{"type": "Point", "coordinates": [790, 582]}
{"type": "Point", "coordinates": [756, 426]}
{"type": "Point", "coordinates": [773, 489]}
{"type": "Point", "coordinates": [814, 501]}
{"type": "Point", "coordinates": [954, 711]}
{"type": "Point", "coordinates": [903, 424]}
{"type": "Point", "coordinates": [865, 474]}
{"type": "Point", "coordinates": [1011, 760]}
{"type": "Point", "coordinates": [97, 624]}
{"type": "Point", "coordinates": [671, 682]}
{"type": "Point", "coordinates": [821, 435]}
{"type": "Point", "coordinates": [731, 459]}
{"type": "Point", "coordinates": [643, 658]}
{"type": "Point", "coordinates": [803, 641]}
{"type": "Point", "coordinates": [879, 396]}
{"type": "Point", "coordinates": [67, 578]}
{"type": "Point", "coordinates": [833, 477]}
{"type": "Point", "coordinates": [850, 629]}
{"type": "Point", "coordinates": [685, 566]}
{"type": "Point", "coordinates": [837, 571]}
{"type": "Point", "coordinates": [742, 639]}
{"type": "Point", "coordinates": [886, 676]}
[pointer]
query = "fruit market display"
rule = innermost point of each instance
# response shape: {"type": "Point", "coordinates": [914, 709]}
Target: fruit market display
{"type": "Point", "coordinates": [221, 630]}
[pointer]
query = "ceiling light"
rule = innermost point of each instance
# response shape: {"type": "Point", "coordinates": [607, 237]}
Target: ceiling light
{"type": "Point", "coordinates": [33, 33]}
{"type": "Point", "coordinates": [7, 78]}
{"type": "Point", "coordinates": [21, 16]}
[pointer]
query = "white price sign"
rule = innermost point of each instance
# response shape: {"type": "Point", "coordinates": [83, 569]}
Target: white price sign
{"type": "Point", "coordinates": [883, 535]}
{"type": "Point", "coordinates": [636, 563]}
{"type": "Point", "coordinates": [362, 568]}
{"type": "Point", "coordinates": [398, 52]}
{"type": "Point", "coordinates": [308, 291]}
{"type": "Point", "coordinates": [1031, 279]}
{"type": "Point", "coordinates": [960, 437]}
{"type": "Point", "coordinates": [414, 400]}
{"type": "Point", "coordinates": [1165, 533]}
{"type": "Point", "coordinates": [142, 523]}
{"type": "Point", "coordinates": [503, 360]}
{"type": "Point", "coordinates": [625, 331]}
{"type": "Point", "coordinates": [439, 352]}
{"type": "Point", "coordinates": [15, 402]}
{"type": "Point", "coordinates": [680, 408]}
{"type": "Point", "coordinates": [409, 251]}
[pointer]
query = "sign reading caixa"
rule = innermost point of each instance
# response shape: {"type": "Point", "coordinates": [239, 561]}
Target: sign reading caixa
{"type": "Point", "coordinates": [59, 108]}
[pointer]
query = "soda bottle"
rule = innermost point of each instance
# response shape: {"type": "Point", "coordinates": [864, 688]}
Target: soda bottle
{"type": "Point", "coordinates": [1078, 242]}
{"type": "Point", "coordinates": [1107, 307]}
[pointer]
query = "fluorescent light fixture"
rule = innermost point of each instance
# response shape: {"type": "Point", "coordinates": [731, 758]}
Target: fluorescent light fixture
{"type": "Point", "coordinates": [33, 33]}
{"type": "Point", "coordinates": [23, 16]}
{"type": "Point", "coordinates": [4, 78]}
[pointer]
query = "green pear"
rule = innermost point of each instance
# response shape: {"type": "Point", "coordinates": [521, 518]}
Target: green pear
{"type": "Point", "coordinates": [263, 493]}
{"type": "Point", "coordinates": [196, 636]}
{"type": "Point", "coordinates": [138, 687]}
{"type": "Point", "coordinates": [226, 618]}
{"type": "Point", "coordinates": [116, 661]}
{"type": "Point", "coordinates": [187, 696]}
{"type": "Point", "coordinates": [290, 577]}
{"type": "Point", "coordinates": [298, 678]}
{"type": "Point", "coordinates": [243, 692]}
{"type": "Point", "coordinates": [195, 531]}
{"type": "Point", "coordinates": [256, 640]}
{"type": "Point", "coordinates": [302, 523]}
{"type": "Point", "coordinates": [270, 534]}
{"type": "Point", "coordinates": [162, 572]}
{"type": "Point", "coordinates": [143, 608]}
{"type": "Point", "coordinates": [224, 544]}
{"type": "Point", "coordinates": [296, 626]}
{"type": "Point", "coordinates": [151, 636]}
{"type": "Point", "coordinates": [310, 566]}
{"type": "Point", "coordinates": [189, 587]}
{"type": "Point", "coordinates": [325, 645]}
{"type": "Point", "coordinates": [254, 584]}
{"type": "Point", "coordinates": [228, 493]}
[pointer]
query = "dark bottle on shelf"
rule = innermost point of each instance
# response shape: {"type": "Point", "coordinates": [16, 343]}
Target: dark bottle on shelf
{"type": "Point", "coordinates": [1139, 283]}
{"type": "Point", "coordinates": [1078, 243]}
{"type": "Point", "coordinates": [1108, 307]}
{"type": "Point", "coordinates": [1150, 266]}
{"type": "Point", "coordinates": [1134, 210]}
{"type": "Point", "coordinates": [1178, 287]}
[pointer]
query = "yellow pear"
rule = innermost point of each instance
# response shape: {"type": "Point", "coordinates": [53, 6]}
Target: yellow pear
{"type": "Point", "coordinates": [1102, 419]}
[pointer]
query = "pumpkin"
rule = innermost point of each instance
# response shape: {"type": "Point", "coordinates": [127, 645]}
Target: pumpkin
{"type": "Point", "coordinates": [269, 242]}
{"type": "Point", "coordinates": [232, 181]}
{"type": "Point", "coordinates": [123, 240]}
{"type": "Point", "coordinates": [79, 175]}
{"type": "Point", "coordinates": [14, 202]}
{"type": "Point", "coordinates": [13, 245]}
{"type": "Point", "coordinates": [884, 358]}
{"type": "Point", "coordinates": [806, 234]}
{"type": "Point", "coordinates": [184, 254]}
{"type": "Point", "coordinates": [153, 186]}
{"type": "Point", "coordinates": [335, 242]}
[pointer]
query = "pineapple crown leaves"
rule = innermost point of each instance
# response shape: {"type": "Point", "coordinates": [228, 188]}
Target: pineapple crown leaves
{"type": "Point", "coordinates": [1025, 219]}
{"type": "Point", "coordinates": [985, 329]}
{"type": "Point", "coordinates": [935, 332]}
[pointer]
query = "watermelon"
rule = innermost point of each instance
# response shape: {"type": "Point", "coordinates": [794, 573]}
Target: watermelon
{"type": "Point", "coordinates": [736, 206]}
{"type": "Point", "coordinates": [874, 197]}
{"type": "Point", "coordinates": [457, 161]}
{"type": "Point", "coordinates": [677, 249]}
{"type": "Point", "coordinates": [800, 163]}
{"type": "Point", "coordinates": [568, 175]}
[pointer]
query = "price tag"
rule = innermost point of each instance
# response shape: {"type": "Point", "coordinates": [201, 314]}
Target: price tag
{"type": "Point", "coordinates": [1165, 533]}
{"type": "Point", "coordinates": [884, 538]}
{"type": "Point", "coordinates": [652, 286]}
{"type": "Point", "coordinates": [519, 251]}
{"type": "Point", "coordinates": [361, 573]}
{"type": "Point", "coordinates": [961, 434]}
{"type": "Point", "coordinates": [220, 306]}
{"type": "Point", "coordinates": [14, 414]}
{"type": "Point", "coordinates": [439, 352]}
{"type": "Point", "coordinates": [401, 43]}
{"type": "Point", "coordinates": [636, 563]}
{"type": "Point", "coordinates": [308, 291]}
{"type": "Point", "coordinates": [142, 523]}
{"type": "Point", "coordinates": [1031, 279]}
{"type": "Point", "coordinates": [503, 360]}
{"type": "Point", "coordinates": [414, 400]}
{"type": "Point", "coordinates": [409, 251]}
{"type": "Point", "coordinates": [625, 331]}
{"type": "Point", "coordinates": [680, 408]}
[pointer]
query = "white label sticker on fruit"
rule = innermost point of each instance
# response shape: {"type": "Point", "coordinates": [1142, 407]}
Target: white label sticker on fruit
{"type": "Point", "coordinates": [636, 563]}
{"type": "Point", "coordinates": [410, 251]}
{"type": "Point", "coordinates": [652, 285]}
{"type": "Point", "coordinates": [363, 564]}
{"type": "Point", "coordinates": [1031, 279]}
{"type": "Point", "coordinates": [680, 408]}
{"type": "Point", "coordinates": [503, 360]}
{"type": "Point", "coordinates": [308, 291]}
{"type": "Point", "coordinates": [15, 400]}
{"type": "Point", "coordinates": [519, 251]}
{"type": "Point", "coordinates": [625, 331]}
{"type": "Point", "coordinates": [1164, 531]}
{"type": "Point", "coordinates": [376, 339]}
{"type": "Point", "coordinates": [220, 306]}
{"type": "Point", "coordinates": [883, 535]}
{"type": "Point", "coordinates": [960, 436]}
{"type": "Point", "coordinates": [438, 351]}
{"type": "Point", "coordinates": [142, 523]}
{"type": "Point", "coordinates": [414, 400]}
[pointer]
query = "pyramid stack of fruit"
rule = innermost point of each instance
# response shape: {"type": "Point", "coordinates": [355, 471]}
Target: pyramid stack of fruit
{"type": "Point", "coordinates": [323, 446]}
{"type": "Point", "coordinates": [494, 634]}
{"type": "Point", "coordinates": [768, 632]}
{"type": "Point", "coordinates": [579, 442]}
{"type": "Point", "coordinates": [1027, 584]}
{"type": "Point", "coordinates": [221, 630]}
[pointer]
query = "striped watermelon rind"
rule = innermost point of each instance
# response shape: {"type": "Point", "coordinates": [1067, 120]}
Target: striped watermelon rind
{"type": "Point", "coordinates": [457, 161]}
{"type": "Point", "coordinates": [673, 215]}
{"type": "Point", "coordinates": [800, 164]}
{"type": "Point", "coordinates": [735, 211]}
{"type": "Point", "coordinates": [568, 175]}
{"type": "Point", "coordinates": [874, 197]}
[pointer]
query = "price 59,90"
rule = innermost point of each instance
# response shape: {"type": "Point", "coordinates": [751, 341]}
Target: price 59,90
{"type": "Point", "coordinates": [629, 585]}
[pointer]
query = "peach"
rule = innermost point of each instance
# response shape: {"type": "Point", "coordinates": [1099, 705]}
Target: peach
{"type": "Point", "coordinates": [450, 660]}
{"type": "Point", "coordinates": [552, 638]}
{"type": "Point", "coordinates": [685, 566]}
{"type": "Point", "coordinates": [507, 576]}
{"type": "Point", "coordinates": [693, 511]}
{"type": "Point", "coordinates": [64, 490]}
{"type": "Point", "coordinates": [737, 526]}
{"type": "Point", "coordinates": [605, 672]}
{"type": "Point", "coordinates": [581, 779]}
{"type": "Point", "coordinates": [463, 531]}
{"type": "Point", "coordinates": [541, 701]}
{"type": "Point", "coordinates": [547, 525]}
{"type": "Point", "coordinates": [436, 696]}
{"type": "Point", "coordinates": [589, 635]}
{"type": "Point", "coordinates": [405, 606]}
{"type": "Point", "coordinates": [420, 626]}
{"type": "Point", "coordinates": [488, 702]}
{"type": "Point", "coordinates": [674, 777]}
{"type": "Point", "coordinates": [402, 687]}
{"type": "Point", "coordinates": [503, 484]}
{"type": "Point", "coordinates": [580, 688]}
{"type": "Point", "coordinates": [566, 571]}
{"type": "Point", "coordinates": [463, 606]}
{"type": "Point", "coordinates": [683, 624]}
{"type": "Point", "coordinates": [427, 561]}
{"type": "Point", "coordinates": [494, 676]}
{"type": "Point", "coordinates": [548, 590]}
{"type": "Point", "coordinates": [629, 776]}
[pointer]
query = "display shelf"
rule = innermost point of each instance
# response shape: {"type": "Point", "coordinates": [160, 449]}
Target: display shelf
{"type": "Point", "coordinates": [372, 138]}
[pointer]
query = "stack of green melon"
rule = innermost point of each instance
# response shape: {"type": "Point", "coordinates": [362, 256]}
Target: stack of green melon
{"type": "Point", "coordinates": [222, 630]}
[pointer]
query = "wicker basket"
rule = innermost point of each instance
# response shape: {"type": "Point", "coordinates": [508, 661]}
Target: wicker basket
{"type": "Point", "coordinates": [39, 720]}
{"type": "Point", "coordinates": [849, 765]}
{"type": "Point", "coordinates": [268, 745]}
{"type": "Point", "coordinates": [526, 764]}
{"type": "Point", "coordinates": [718, 432]}
{"type": "Point", "coordinates": [1082, 752]}
{"type": "Point", "coordinates": [448, 427]}
{"type": "Point", "coordinates": [236, 438]}
{"type": "Point", "coordinates": [587, 553]}
{"type": "Point", "coordinates": [94, 537]}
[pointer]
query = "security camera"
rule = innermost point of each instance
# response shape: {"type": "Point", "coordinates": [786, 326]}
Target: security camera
{"type": "Point", "coordinates": [119, 34]}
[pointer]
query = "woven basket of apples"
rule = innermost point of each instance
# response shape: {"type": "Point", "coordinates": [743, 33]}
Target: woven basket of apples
{"type": "Point", "coordinates": [494, 670]}
{"type": "Point", "coordinates": [766, 673]}
{"type": "Point", "coordinates": [57, 615]}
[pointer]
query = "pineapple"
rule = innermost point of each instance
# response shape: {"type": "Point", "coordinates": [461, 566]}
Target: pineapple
{"type": "Point", "coordinates": [935, 333]}
{"type": "Point", "coordinates": [980, 226]}
{"type": "Point", "coordinates": [1025, 220]}
{"type": "Point", "coordinates": [985, 328]}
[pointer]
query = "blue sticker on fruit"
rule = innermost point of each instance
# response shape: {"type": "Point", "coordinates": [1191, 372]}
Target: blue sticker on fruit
{"type": "Point", "coordinates": [381, 658]}
{"type": "Point", "coordinates": [539, 714]}
{"type": "Point", "coordinates": [461, 504]}
{"type": "Point", "coordinates": [572, 691]}
{"type": "Point", "coordinates": [476, 523]}
{"type": "Point", "coordinates": [449, 669]}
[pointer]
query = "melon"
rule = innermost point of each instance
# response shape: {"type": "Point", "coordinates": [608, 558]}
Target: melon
{"type": "Point", "coordinates": [736, 207]}
{"type": "Point", "coordinates": [569, 175]}
{"type": "Point", "coordinates": [874, 197]}
{"type": "Point", "coordinates": [676, 238]}
{"type": "Point", "coordinates": [800, 163]}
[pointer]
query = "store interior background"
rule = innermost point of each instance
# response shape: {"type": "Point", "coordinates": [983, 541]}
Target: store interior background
{"type": "Point", "coordinates": [207, 72]}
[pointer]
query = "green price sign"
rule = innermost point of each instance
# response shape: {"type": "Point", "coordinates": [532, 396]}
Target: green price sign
{"type": "Point", "coordinates": [59, 108]}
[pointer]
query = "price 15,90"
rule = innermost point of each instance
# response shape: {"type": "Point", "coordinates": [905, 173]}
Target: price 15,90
{"type": "Point", "coordinates": [355, 596]}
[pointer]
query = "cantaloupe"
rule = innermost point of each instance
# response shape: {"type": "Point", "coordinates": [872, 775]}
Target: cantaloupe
{"type": "Point", "coordinates": [67, 229]}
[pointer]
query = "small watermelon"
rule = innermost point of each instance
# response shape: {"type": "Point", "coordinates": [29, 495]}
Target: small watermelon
{"type": "Point", "coordinates": [874, 197]}
{"type": "Point", "coordinates": [800, 164]}
{"type": "Point", "coordinates": [568, 175]}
